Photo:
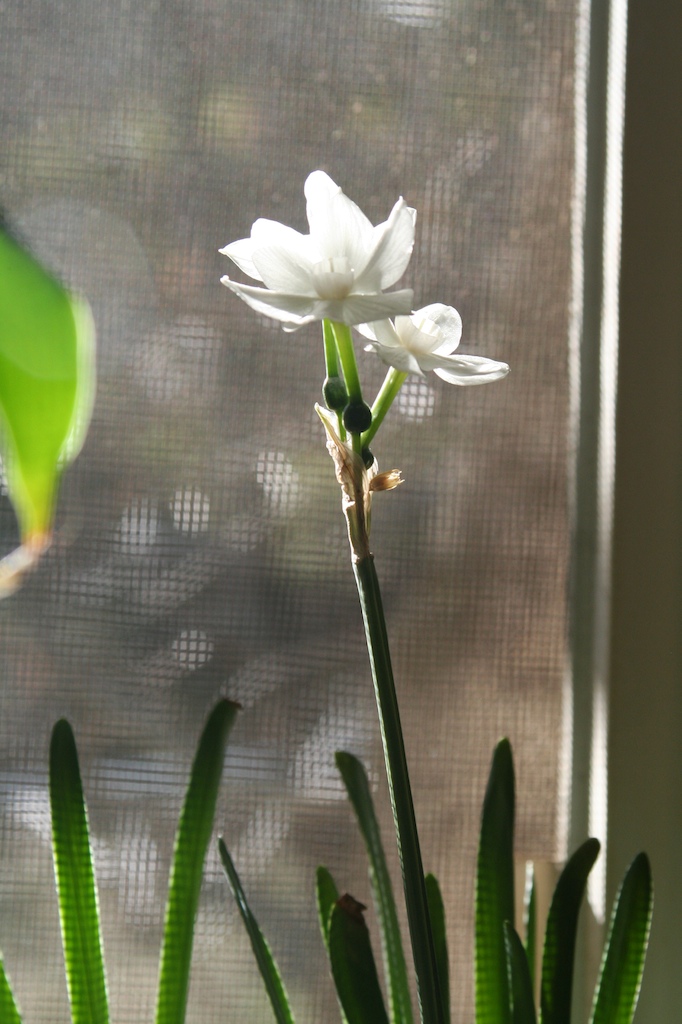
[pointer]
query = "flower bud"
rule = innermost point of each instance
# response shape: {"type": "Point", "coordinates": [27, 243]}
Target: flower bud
{"type": "Point", "coordinates": [367, 457]}
{"type": "Point", "coordinates": [357, 417]}
{"type": "Point", "coordinates": [335, 394]}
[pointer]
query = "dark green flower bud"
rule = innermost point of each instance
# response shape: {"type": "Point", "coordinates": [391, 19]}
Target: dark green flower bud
{"type": "Point", "coordinates": [367, 457]}
{"type": "Point", "coordinates": [357, 417]}
{"type": "Point", "coordinates": [335, 394]}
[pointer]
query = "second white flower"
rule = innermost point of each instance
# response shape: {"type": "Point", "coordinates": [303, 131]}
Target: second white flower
{"type": "Point", "coordinates": [426, 341]}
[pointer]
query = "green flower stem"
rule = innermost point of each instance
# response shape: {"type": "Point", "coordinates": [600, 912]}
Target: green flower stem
{"type": "Point", "coordinates": [423, 948]}
{"type": "Point", "coordinates": [331, 363]}
{"type": "Point", "coordinates": [393, 382]}
{"type": "Point", "coordinates": [344, 346]}
{"type": "Point", "coordinates": [331, 358]}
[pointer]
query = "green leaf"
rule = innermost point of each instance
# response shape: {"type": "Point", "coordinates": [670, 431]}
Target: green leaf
{"type": "Point", "coordinates": [47, 384]}
{"type": "Point", "coordinates": [495, 890]}
{"type": "Point", "coordinates": [397, 984]}
{"type": "Point", "coordinates": [267, 965]}
{"type": "Point", "coordinates": [522, 1006]}
{"type": "Point", "coordinates": [9, 1011]}
{"type": "Point", "coordinates": [620, 975]}
{"type": "Point", "coordinates": [327, 894]}
{"type": "Point", "coordinates": [440, 940]}
{"type": "Point", "coordinates": [353, 967]}
{"type": "Point", "coordinates": [191, 840]}
{"type": "Point", "coordinates": [530, 920]}
{"type": "Point", "coordinates": [560, 935]}
{"type": "Point", "coordinates": [75, 880]}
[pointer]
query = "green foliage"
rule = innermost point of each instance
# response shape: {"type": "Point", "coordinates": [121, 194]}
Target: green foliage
{"type": "Point", "coordinates": [76, 888]}
{"type": "Point", "coordinates": [529, 920]}
{"type": "Point", "coordinates": [267, 965]}
{"type": "Point", "coordinates": [504, 980]}
{"type": "Point", "coordinates": [504, 970]}
{"type": "Point", "coordinates": [495, 890]}
{"type": "Point", "coordinates": [9, 1011]}
{"type": "Point", "coordinates": [353, 966]}
{"type": "Point", "coordinates": [622, 965]}
{"type": "Point", "coordinates": [560, 934]}
{"type": "Point", "coordinates": [440, 940]}
{"type": "Point", "coordinates": [191, 841]}
{"type": "Point", "coordinates": [327, 894]}
{"type": "Point", "coordinates": [397, 983]}
{"type": "Point", "coordinates": [521, 1005]}
{"type": "Point", "coordinates": [46, 383]}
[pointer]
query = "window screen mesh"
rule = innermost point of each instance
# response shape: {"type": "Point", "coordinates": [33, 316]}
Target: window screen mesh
{"type": "Point", "coordinates": [200, 548]}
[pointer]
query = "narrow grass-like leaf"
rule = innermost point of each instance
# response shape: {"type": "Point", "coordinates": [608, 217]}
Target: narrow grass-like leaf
{"type": "Point", "coordinates": [440, 940]}
{"type": "Point", "coordinates": [326, 894]}
{"type": "Point", "coordinates": [397, 985]}
{"type": "Point", "coordinates": [399, 787]}
{"type": "Point", "coordinates": [46, 383]}
{"type": "Point", "coordinates": [191, 840]}
{"type": "Point", "coordinates": [620, 975]}
{"type": "Point", "coordinates": [75, 880]}
{"type": "Point", "coordinates": [562, 925]}
{"type": "Point", "coordinates": [495, 890]}
{"type": "Point", "coordinates": [353, 966]}
{"type": "Point", "coordinates": [267, 965]}
{"type": "Point", "coordinates": [520, 983]}
{"type": "Point", "coordinates": [530, 920]}
{"type": "Point", "coordinates": [9, 1011]}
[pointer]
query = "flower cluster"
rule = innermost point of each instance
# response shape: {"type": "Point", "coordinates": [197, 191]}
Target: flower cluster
{"type": "Point", "coordinates": [339, 273]}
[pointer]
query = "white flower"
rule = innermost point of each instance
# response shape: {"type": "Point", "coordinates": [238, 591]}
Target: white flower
{"type": "Point", "coordinates": [425, 341]}
{"type": "Point", "coordinates": [337, 272]}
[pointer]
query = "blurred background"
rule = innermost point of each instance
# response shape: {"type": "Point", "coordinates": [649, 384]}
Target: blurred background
{"type": "Point", "coordinates": [200, 548]}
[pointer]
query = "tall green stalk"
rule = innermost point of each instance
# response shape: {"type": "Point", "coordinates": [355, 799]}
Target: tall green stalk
{"type": "Point", "coordinates": [423, 948]}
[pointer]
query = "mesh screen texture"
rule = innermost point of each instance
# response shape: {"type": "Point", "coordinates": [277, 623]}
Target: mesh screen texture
{"type": "Point", "coordinates": [200, 548]}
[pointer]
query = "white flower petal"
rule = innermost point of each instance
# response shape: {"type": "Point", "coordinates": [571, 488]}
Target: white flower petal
{"type": "Point", "coordinates": [266, 232]}
{"type": "Point", "coordinates": [360, 309]}
{"type": "Point", "coordinates": [241, 253]}
{"type": "Point", "coordinates": [284, 271]}
{"type": "Point", "coordinates": [392, 244]}
{"type": "Point", "coordinates": [337, 226]}
{"type": "Point", "coordinates": [367, 330]}
{"type": "Point", "coordinates": [318, 184]}
{"type": "Point", "coordinates": [464, 370]}
{"type": "Point", "coordinates": [292, 309]}
{"type": "Point", "coordinates": [382, 331]}
{"type": "Point", "coordinates": [421, 336]}
{"type": "Point", "coordinates": [448, 320]}
{"type": "Point", "coordinates": [398, 358]}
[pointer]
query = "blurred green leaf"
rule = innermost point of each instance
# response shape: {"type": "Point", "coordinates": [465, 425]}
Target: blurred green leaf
{"type": "Point", "coordinates": [353, 966]}
{"type": "Point", "coordinates": [327, 894]}
{"type": "Point", "coordinates": [47, 383]}
{"type": "Point", "coordinates": [620, 975]}
{"type": "Point", "coordinates": [495, 890]}
{"type": "Point", "coordinates": [9, 1011]}
{"type": "Point", "coordinates": [560, 935]}
{"type": "Point", "coordinates": [520, 984]}
{"type": "Point", "coordinates": [267, 964]}
{"type": "Point", "coordinates": [75, 879]}
{"type": "Point", "coordinates": [440, 940]}
{"type": "Point", "coordinates": [397, 984]}
{"type": "Point", "coordinates": [530, 921]}
{"type": "Point", "coordinates": [191, 840]}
